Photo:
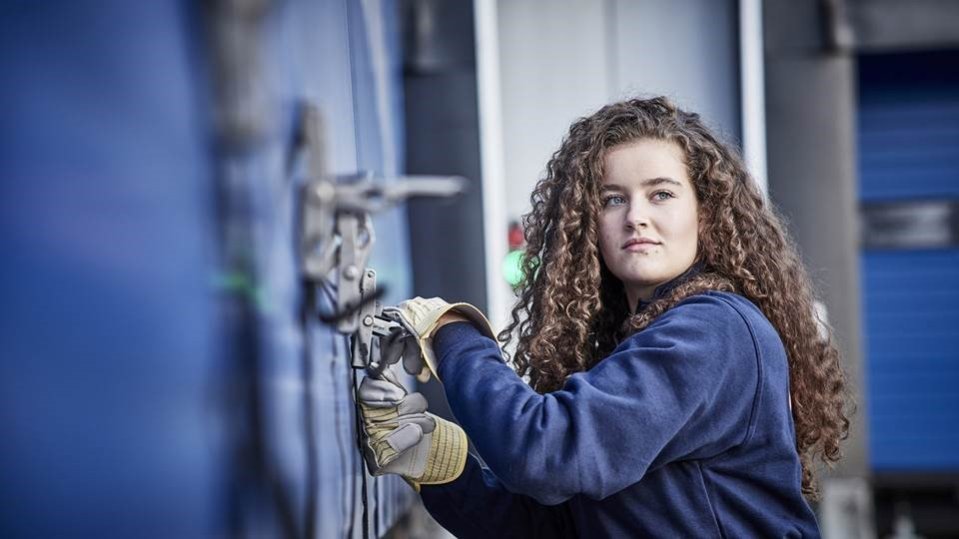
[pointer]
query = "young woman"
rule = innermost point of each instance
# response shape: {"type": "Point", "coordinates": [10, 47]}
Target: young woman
{"type": "Point", "coordinates": [679, 383]}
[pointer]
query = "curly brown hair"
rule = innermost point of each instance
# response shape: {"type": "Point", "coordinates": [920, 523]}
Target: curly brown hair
{"type": "Point", "coordinates": [572, 311]}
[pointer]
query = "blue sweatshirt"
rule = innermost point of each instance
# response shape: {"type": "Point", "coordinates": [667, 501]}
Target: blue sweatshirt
{"type": "Point", "coordinates": [683, 431]}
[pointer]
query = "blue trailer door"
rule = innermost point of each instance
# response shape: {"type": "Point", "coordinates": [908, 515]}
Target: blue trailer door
{"type": "Point", "coordinates": [112, 373]}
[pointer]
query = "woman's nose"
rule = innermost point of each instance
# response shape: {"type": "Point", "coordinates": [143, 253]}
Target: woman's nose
{"type": "Point", "coordinates": [636, 217]}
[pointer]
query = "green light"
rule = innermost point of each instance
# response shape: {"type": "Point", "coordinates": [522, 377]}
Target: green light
{"type": "Point", "coordinates": [513, 267]}
{"type": "Point", "coordinates": [242, 285]}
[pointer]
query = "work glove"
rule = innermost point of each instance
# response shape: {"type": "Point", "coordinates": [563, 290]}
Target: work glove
{"type": "Point", "coordinates": [402, 438]}
{"type": "Point", "coordinates": [420, 316]}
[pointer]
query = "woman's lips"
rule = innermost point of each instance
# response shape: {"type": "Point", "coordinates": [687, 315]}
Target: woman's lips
{"type": "Point", "coordinates": [639, 245]}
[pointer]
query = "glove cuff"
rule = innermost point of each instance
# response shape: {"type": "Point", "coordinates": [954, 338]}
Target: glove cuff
{"type": "Point", "coordinates": [471, 313]}
{"type": "Point", "coordinates": [447, 455]}
{"type": "Point", "coordinates": [476, 317]}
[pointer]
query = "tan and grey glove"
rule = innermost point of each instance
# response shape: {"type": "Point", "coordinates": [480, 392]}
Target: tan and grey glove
{"type": "Point", "coordinates": [420, 317]}
{"type": "Point", "coordinates": [402, 438]}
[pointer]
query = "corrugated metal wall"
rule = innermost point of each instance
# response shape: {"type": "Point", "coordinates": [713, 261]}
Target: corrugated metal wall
{"type": "Point", "coordinates": [113, 376]}
{"type": "Point", "coordinates": [909, 144]}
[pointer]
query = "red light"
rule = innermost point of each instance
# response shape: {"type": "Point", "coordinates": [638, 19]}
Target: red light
{"type": "Point", "coordinates": [515, 237]}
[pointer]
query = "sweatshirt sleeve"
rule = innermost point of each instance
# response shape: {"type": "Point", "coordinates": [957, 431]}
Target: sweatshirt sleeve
{"type": "Point", "coordinates": [477, 504]}
{"type": "Point", "coordinates": [682, 388]}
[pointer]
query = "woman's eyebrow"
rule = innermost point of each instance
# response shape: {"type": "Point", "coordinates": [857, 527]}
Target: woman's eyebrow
{"type": "Point", "coordinates": [662, 179]}
{"type": "Point", "coordinates": [645, 183]}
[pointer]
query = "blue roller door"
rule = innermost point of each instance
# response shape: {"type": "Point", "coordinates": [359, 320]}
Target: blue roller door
{"type": "Point", "coordinates": [908, 159]}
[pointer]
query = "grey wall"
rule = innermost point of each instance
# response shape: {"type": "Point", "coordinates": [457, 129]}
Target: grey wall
{"type": "Point", "coordinates": [553, 69]}
{"type": "Point", "coordinates": [566, 60]}
{"type": "Point", "coordinates": [810, 112]}
{"type": "Point", "coordinates": [688, 50]}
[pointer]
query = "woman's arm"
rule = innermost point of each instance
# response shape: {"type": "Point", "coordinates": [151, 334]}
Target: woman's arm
{"type": "Point", "coordinates": [478, 505]}
{"type": "Point", "coordinates": [682, 388]}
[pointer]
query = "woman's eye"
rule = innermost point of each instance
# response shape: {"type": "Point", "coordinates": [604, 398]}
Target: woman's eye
{"type": "Point", "coordinates": [662, 195]}
{"type": "Point", "coordinates": [613, 200]}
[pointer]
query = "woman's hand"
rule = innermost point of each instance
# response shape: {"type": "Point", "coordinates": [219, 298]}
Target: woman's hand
{"type": "Point", "coordinates": [401, 437]}
{"type": "Point", "coordinates": [421, 318]}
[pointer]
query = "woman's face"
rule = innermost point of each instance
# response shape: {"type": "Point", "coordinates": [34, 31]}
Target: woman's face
{"type": "Point", "coordinates": [648, 222]}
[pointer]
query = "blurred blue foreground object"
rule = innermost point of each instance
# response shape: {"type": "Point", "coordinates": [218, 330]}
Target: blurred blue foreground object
{"type": "Point", "coordinates": [126, 408]}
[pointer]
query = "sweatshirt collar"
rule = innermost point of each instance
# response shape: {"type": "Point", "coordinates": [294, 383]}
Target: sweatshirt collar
{"type": "Point", "coordinates": [667, 287]}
